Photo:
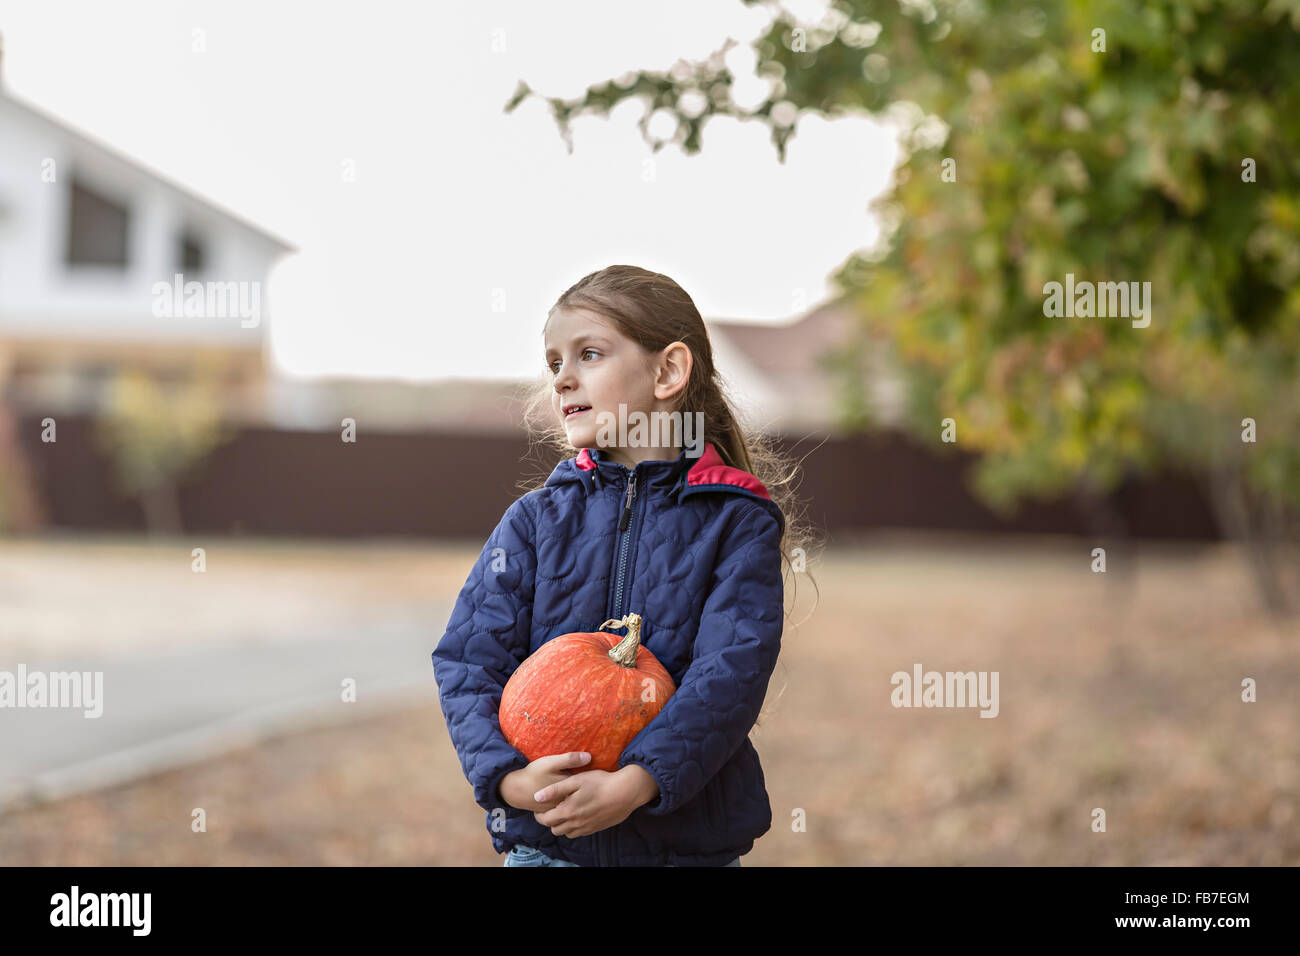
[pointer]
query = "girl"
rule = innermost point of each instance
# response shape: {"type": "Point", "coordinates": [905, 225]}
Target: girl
{"type": "Point", "coordinates": [676, 527]}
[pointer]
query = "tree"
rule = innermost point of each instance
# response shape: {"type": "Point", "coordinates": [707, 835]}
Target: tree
{"type": "Point", "coordinates": [156, 434]}
{"type": "Point", "coordinates": [1104, 140]}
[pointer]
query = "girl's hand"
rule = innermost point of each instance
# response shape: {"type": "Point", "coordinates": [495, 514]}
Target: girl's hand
{"type": "Point", "coordinates": [518, 786]}
{"type": "Point", "coordinates": [589, 801]}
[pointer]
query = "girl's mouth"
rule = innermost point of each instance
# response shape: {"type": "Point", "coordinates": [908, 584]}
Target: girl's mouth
{"type": "Point", "coordinates": [577, 411]}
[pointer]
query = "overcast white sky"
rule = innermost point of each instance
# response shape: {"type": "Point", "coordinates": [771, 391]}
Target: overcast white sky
{"type": "Point", "coordinates": [397, 272]}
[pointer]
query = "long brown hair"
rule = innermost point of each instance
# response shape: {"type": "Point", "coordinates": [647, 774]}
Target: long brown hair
{"type": "Point", "coordinates": [652, 310]}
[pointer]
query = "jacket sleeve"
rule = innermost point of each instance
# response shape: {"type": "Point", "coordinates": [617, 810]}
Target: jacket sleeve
{"type": "Point", "coordinates": [487, 637]}
{"type": "Point", "coordinates": [709, 716]}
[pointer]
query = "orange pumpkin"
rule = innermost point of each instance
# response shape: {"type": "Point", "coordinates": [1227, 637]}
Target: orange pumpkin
{"type": "Point", "coordinates": [589, 691]}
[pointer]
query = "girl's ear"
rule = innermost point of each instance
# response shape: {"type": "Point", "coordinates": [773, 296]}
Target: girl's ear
{"type": "Point", "coordinates": [675, 363]}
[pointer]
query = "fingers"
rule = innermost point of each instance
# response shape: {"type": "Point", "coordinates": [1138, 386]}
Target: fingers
{"type": "Point", "coordinates": [570, 830]}
{"type": "Point", "coordinates": [560, 815]}
{"type": "Point", "coordinates": [557, 791]}
{"type": "Point", "coordinates": [553, 816]}
{"type": "Point", "coordinates": [545, 795]}
{"type": "Point", "coordinates": [574, 759]}
{"type": "Point", "coordinates": [559, 762]}
{"type": "Point", "coordinates": [570, 821]}
{"type": "Point", "coordinates": [567, 764]}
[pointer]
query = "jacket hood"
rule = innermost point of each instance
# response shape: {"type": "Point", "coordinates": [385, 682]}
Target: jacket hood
{"type": "Point", "coordinates": [681, 477]}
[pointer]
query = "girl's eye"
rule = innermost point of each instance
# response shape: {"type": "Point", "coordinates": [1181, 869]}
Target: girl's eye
{"type": "Point", "coordinates": [551, 365]}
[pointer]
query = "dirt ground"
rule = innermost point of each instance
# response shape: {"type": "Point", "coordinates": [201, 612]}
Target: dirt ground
{"type": "Point", "coordinates": [1120, 691]}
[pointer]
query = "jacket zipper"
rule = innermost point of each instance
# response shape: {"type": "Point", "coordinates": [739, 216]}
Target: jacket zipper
{"type": "Point", "coordinates": [625, 539]}
{"type": "Point", "coordinates": [620, 588]}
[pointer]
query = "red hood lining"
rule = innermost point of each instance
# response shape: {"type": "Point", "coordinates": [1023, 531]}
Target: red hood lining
{"type": "Point", "coordinates": [708, 470]}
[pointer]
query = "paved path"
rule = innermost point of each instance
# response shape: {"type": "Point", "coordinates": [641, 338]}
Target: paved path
{"type": "Point", "coordinates": [196, 665]}
{"type": "Point", "coordinates": [175, 705]}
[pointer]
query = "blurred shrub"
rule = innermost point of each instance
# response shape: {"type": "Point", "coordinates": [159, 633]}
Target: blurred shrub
{"type": "Point", "coordinates": [156, 433]}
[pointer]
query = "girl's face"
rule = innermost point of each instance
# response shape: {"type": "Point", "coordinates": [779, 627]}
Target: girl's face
{"type": "Point", "coordinates": [595, 365]}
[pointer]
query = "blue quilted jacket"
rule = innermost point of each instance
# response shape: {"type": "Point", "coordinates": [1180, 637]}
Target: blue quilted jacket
{"type": "Point", "coordinates": [693, 546]}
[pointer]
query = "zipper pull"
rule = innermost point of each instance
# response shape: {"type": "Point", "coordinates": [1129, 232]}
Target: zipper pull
{"type": "Point", "coordinates": [627, 505]}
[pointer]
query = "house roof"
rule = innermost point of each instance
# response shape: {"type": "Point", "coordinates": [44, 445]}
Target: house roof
{"type": "Point", "coordinates": [100, 146]}
{"type": "Point", "coordinates": [789, 348]}
{"type": "Point", "coordinates": [788, 358]}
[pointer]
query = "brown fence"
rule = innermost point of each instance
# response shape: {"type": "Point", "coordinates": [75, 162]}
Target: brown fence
{"type": "Point", "coordinates": [455, 484]}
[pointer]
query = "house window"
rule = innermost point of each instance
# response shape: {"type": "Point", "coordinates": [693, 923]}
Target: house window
{"type": "Point", "coordinates": [190, 254]}
{"type": "Point", "coordinates": [97, 229]}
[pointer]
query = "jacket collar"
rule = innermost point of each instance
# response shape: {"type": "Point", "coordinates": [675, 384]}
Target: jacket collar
{"type": "Point", "coordinates": [682, 476]}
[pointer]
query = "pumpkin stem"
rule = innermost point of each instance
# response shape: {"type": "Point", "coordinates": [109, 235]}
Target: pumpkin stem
{"type": "Point", "coordinates": [624, 652]}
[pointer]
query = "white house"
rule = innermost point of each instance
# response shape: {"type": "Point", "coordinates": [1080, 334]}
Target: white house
{"type": "Point", "coordinates": [91, 245]}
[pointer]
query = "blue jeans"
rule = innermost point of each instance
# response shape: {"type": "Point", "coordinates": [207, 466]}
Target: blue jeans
{"type": "Point", "coordinates": [521, 855]}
